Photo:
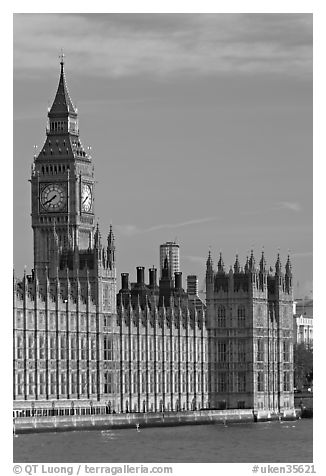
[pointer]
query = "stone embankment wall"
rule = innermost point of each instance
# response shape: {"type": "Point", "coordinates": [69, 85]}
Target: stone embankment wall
{"type": "Point", "coordinates": [138, 420]}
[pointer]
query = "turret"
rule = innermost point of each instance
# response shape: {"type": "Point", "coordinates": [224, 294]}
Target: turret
{"type": "Point", "coordinates": [262, 272]}
{"type": "Point", "coordinates": [252, 268]}
{"type": "Point", "coordinates": [97, 238]}
{"type": "Point", "coordinates": [246, 267]}
{"type": "Point", "coordinates": [252, 263]}
{"type": "Point", "coordinates": [220, 265]}
{"type": "Point", "coordinates": [111, 249]}
{"type": "Point", "coordinates": [278, 273]}
{"type": "Point", "coordinates": [262, 263]}
{"type": "Point", "coordinates": [288, 275]}
{"type": "Point", "coordinates": [209, 263]}
{"type": "Point", "coordinates": [209, 275]}
{"type": "Point", "coordinates": [278, 266]}
{"type": "Point", "coordinates": [236, 266]}
{"type": "Point", "coordinates": [288, 267]}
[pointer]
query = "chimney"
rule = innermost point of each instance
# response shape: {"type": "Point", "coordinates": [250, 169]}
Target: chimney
{"type": "Point", "coordinates": [140, 274]}
{"type": "Point", "coordinates": [125, 281]}
{"type": "Point", "coordinates": [178, 280]}
{"type": "Point", "coordinates": [152, 277]}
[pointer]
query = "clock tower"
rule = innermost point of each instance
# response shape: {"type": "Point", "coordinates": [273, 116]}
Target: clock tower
{"type": "Point", "coordinates": [62, 183]}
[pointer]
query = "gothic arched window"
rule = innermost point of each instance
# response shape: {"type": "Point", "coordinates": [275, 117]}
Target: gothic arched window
{"type": "Point", "coordinates": [221, 315]}
{"type": "Point", "coordinates": [241, 316]}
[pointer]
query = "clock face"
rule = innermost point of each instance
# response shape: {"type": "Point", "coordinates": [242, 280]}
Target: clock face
{"type": "Point", "coordinates": [53, 197]}
{"type": "Point", "coordinates": [86, 198]}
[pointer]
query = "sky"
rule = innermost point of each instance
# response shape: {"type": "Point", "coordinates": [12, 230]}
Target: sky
{"type": "Point", "coordinates": [200, 128]}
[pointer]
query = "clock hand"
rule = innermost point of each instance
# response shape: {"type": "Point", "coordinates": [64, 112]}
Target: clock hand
{"type": "Point", "coordinates": [85, 199]}
{"type": "Point", "coordinates": [48, 201]}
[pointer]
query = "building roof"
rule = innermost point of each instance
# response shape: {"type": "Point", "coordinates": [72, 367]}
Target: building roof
{"type": "Point", "coordinates": [302, 316]}
{"type": "Point", "coordinates": [62, 104]}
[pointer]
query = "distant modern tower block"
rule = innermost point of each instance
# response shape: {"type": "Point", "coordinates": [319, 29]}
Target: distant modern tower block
{"type": "Point", "coordinates": [192, 291]}
{"type": "Point", "coordinates": [192, 285]}
{"type": "Point", "coordinates": [171, 250]}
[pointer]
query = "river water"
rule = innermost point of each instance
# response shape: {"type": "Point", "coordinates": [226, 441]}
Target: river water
{"type": "Point", "coordinates": [273, 442]}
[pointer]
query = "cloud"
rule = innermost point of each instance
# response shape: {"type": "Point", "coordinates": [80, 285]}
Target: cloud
{"type": "Point", "coordinates": [130, 230]}
{"type": "Point", "coordinates": [181, 224]}
{"type": "Point", "coordinates": [293, 206]}
{"type": "Point", "coordinates": [165, 45]}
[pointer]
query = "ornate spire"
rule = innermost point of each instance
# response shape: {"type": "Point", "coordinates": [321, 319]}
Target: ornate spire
{"type": "Point", "coordinates": [246, 268]}
{"type": "Point", "coordinates": [111, 235]}
{"type": "Point", "coordinates": [111, 249]}
{"type": "Point", "coordinates": [288, 267]}
{"type": "Point", "coordinates": [209, 262]}
{"type": "Point", "coordinates": [262, 263]}
{"type": "Point", "coordinates": [278, 265]}
{"type": "Point", "coordinates": [62, 104]}
{"type": "Point", "coordinates": [252, 262]}
{"type": "Point", "coordinates": [236, 266]}
{"type": "Point", "coordinates": [220, 264]}
{"type": "Point", "coordinates": [288, 275]}
{"type": "Point", "coordinates": [97, 237]}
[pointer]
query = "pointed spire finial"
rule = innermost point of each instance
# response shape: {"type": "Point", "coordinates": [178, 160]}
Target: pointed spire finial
{"type": "Point", "coordinates": [220, 264]}
{"type": "Point", "coordinates": [62, 104]}
{"type": "Point", "coordinates": [111, 234]}
{"type": "Point", "coordinates": [278, 265]}
{"type": "Point", "coordinates": [237, 264]}
{"type": "Point", "coordinates": [252, 264]}
{"type": "Point", "coordinates": [246, 268]}
{"type": "Point", "coordinates": [262, 263]}
{"type": "Point", "coordinates": [62, 57]}
{"type": "Point", "coordinates": [288, 266]}
{"type": "Point", "coordinates": [209, 262]}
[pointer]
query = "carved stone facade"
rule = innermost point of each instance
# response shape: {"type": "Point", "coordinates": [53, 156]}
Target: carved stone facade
{"type": "Point", "coordinates": [250, 336]}
{"type": "Point", "coordinates": [151, 347]}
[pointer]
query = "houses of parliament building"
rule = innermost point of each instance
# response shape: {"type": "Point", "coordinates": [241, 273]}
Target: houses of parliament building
{"type": "Point", "coordinates": [149, 347]}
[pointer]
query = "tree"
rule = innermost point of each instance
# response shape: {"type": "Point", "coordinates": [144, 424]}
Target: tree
{"type": "Point", "coordinates": [303, 365]}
